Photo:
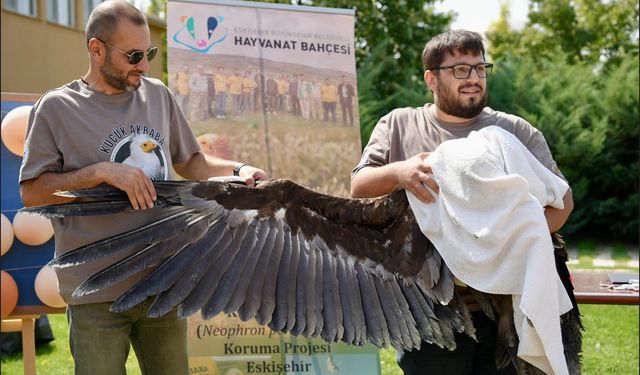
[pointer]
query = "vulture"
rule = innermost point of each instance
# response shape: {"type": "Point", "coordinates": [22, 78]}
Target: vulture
{"type": "Point", "coordinates": [301, 262]}
{"type": "Point", "coordinates": [142, 155]}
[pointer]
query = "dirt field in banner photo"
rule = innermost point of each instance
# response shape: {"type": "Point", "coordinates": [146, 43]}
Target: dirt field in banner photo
{"type": "Point", "coordinates": [311, 153]}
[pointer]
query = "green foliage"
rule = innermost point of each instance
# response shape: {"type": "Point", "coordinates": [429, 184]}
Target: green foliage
{"type": "Point", "coordinates": [590, 120]}
{"type": "Point", "coordinates": [573, 73]}
{"type": "Point", "coordinates": [375, 103]}
{"type": "Point", "coordinates": [584, 30]}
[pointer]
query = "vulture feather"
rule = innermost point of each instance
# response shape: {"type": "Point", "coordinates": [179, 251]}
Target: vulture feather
{"type": "Point", "coordinates": [352, 270]}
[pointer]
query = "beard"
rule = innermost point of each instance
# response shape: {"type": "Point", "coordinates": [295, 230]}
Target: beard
{"type": "Point", "coordinates": [115, 78]}
{"type": "Point", "coordinates": [451, 103]}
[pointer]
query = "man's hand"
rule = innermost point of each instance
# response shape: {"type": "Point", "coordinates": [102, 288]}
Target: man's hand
{"type": "Point", "coordinates": [131, 180]}
{"type": "Point", "coordinates": [252, 174]}
{"type": "Point", "coordinates": [414, 175]}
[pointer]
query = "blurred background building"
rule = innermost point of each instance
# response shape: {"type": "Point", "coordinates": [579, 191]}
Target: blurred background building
{"type": "Point", "coordinates": [42, 43]}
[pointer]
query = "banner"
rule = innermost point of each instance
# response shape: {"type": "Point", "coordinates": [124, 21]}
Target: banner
{"type": "Point", "coordinates": [273, 86]}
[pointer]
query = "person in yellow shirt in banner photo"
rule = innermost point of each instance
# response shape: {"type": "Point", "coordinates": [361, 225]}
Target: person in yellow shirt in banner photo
{"type": "Point", "coordinates": [329, 94]}
{"type": "Point", "coordinates": [235, 89]}
{"type": "Point", "coordinates": [181, 89]}
{"type": "Point", "coordinates": [283, 89]}
{"type": "Point", "coordinates": [220, 84]}
{"type": "Point", "coordinates": [249, 86]}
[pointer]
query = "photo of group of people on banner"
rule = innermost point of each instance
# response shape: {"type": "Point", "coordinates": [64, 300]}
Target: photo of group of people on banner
{"type": "Point", "coordinates": [215, 93]}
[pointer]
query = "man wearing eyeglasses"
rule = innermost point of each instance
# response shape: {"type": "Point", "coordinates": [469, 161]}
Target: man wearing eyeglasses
{"type": "Point", "coordinates": [456, 73]}
{"type": "Point", "coordinates": [109, 127]}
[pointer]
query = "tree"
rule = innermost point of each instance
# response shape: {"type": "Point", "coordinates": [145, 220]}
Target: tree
{"type": "Point", "coordinates": [573, 73]}
{"type": "Point", "coordinates": [584, 30]}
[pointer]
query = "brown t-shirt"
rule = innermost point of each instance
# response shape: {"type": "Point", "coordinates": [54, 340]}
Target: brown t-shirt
{"type": "Point", "coordinates": [405, 132]}
{"type": "Point", "coordinates": [74, 126]}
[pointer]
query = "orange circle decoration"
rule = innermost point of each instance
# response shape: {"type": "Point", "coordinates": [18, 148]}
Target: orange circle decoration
{"type": "Point", "coordinates": [9, 297]}
{"type": "Point", "coordinates": [14, 129]}
{"type": "Point", "coordinates": [47, 289]}
{"type": "Point", "coordinates": [7, 234]}
{"type": "Point", "coordinates": [32, 230]}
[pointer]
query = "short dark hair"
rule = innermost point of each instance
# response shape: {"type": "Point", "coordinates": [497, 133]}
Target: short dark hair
{"type": "Point", "coordinates": [103, 20]}
{"type": "Point", "coordinates": [451, 42]}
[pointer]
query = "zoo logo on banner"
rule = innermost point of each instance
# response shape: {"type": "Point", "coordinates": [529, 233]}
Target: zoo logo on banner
{"type": "Point", "coordinates": [191, 34]}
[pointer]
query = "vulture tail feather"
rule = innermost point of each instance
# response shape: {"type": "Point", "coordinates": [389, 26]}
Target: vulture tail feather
{"type": "Point", "coordinates": [163, 276]}
{"type": "Point", "coordinates": [258, 255]}
{"type": "Point", "coordinates": [391, 312]}
{"type": "Point", "coordinates": [227, 283]}
{"type": "Point", "coordinates": [310, 284]}
{"type": "Point", "coordinates": [413, 336]}
{"type": "Point", "coordinates": [182, 283]}
{"type": "Point", "coordinates": [283, 285]}
{"type": "Point", "coordinates": [138, 261]}
{"type": "Point", "coordinates": [346, 302]}
{"type": "Point", "coordinates": [103, 192]}
{"type": "Point", "coordinates": [214, 269]}
{"type": "Point", "coordinates": [422, 321]}
{"type": "Point", "coordinates": [377, 330]}
{"type": "Point", "coordinates": [359, 322]}
{"type": "Point", "coordinates": [56, 211]}
{"type": "Point", "coordinates": [318, 292]}
{"type": "Point", "coordinates": [332, 329]}
{"type": "Point", "coordinates": [269, 257]}
{"type": "Point", "coordinates": [302, 288]}
{"type": "Point", "coordinates": [154, 232]}
{"type": "Point", "coordinates": [268, 301]}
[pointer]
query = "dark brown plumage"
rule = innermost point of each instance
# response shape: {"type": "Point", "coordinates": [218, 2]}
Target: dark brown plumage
{"type": "Point", "coordinates": [352, 270]}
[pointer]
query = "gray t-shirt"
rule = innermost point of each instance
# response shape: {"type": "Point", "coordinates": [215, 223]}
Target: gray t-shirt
{"type": "Point", "coordinates": [74, 126]}
{"type": "Point", "coordinates": [405, 132]}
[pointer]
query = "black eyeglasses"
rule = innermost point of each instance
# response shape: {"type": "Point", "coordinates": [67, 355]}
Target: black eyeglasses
{"type": "Point", "coordinates": [135, 56]}
{"type": "Point", "coordinates": [463, 71]}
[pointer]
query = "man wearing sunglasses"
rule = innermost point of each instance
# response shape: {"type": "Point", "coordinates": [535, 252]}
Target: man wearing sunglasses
{"type": "Point", "coordinates": [456, 72]}
{"type": "Point", "coordinates": [112, 126]}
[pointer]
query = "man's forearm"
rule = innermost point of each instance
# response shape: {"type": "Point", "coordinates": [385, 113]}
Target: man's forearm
{"type": "Point", "coordinates": [202, 167]}
{"type": "Point", "coordinates": [374, 181]}
{"type": "Point", "coordinates": [39, 191]}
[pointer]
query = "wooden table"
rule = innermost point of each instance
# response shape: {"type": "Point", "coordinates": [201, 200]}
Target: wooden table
{"type": "Point", "coordinates": [23, 319]}
{"type": "Point", "coordinates": [591, 287]}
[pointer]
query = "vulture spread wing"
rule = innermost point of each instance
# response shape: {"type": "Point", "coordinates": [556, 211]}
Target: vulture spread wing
{"type": "Point", "coordinates": [352, 270]}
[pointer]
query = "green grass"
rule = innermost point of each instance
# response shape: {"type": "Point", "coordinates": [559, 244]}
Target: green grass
{"type": "Point", "coordinates": [54, 358]}
{"type": "Point", "coordinates": [610, 346]}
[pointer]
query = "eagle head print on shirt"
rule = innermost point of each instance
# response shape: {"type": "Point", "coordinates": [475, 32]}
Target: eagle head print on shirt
{"type": "Point", "coordinates": [140, 150]}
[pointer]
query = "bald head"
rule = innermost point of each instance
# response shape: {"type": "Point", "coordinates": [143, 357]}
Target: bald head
{"type": "Point", "coordinates": [103, 21]}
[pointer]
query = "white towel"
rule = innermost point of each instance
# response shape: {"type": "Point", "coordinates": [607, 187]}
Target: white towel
{"type": "Point", "coordinates": [489, 226]}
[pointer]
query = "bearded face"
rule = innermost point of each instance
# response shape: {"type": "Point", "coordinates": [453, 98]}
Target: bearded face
{"type": "Point", "coordinates": [460, 98]}
{"type": "Point", "coordinates": [115, 77]}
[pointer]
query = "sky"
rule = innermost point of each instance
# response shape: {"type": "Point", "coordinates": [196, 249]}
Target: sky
{"type": "Point", "coordinates": [477, 15]}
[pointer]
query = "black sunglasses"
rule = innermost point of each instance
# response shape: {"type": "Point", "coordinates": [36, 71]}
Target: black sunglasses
{"type": "Point", "coordinates": [135, 56]}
